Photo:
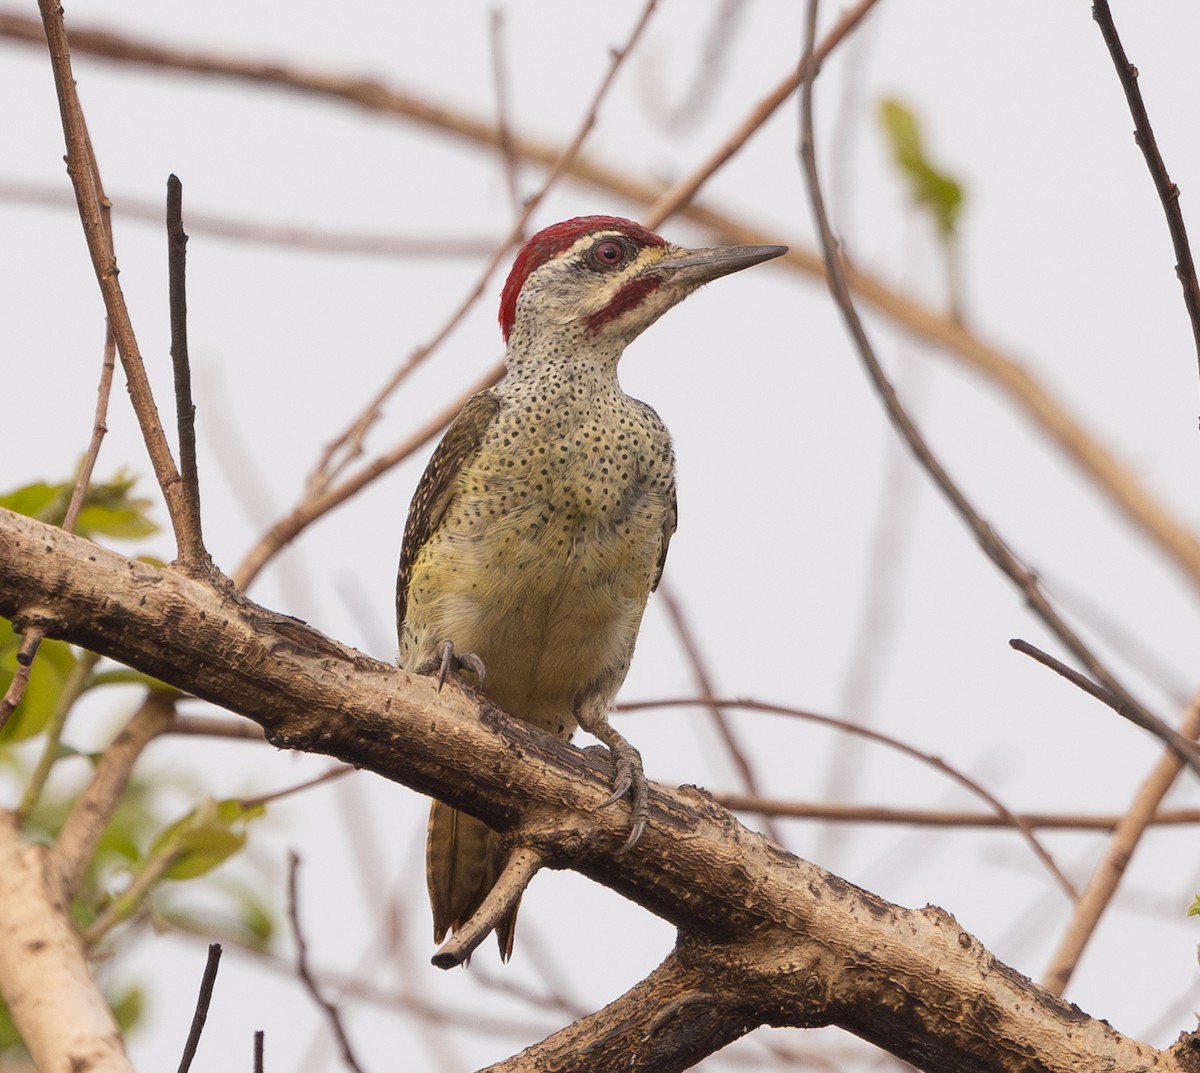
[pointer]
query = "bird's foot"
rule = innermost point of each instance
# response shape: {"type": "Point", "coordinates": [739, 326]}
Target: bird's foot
{"type": "Point", "coordinates": [448, 662]}
{"type": "Point", "coordinates": [629, 780]}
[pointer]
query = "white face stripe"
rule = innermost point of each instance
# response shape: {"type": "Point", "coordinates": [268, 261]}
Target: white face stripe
{"type": "Point", "coordinates": [613, 281]}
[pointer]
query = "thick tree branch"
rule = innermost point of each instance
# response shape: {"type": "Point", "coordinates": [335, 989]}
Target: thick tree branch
{"type": "Point", "coordinates": [54, 1003]}
{"type": "Point", "coordinates": [779, 940]}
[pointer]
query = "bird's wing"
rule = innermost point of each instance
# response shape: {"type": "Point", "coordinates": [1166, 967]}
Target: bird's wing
{"type": "Point", "coordinates": [668, 529]}
{"type": "Point", "coordinates": [461, 441]}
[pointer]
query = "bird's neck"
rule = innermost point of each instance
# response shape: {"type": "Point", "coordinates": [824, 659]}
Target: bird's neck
{"type": "Point", "coordinates": [565, 364]}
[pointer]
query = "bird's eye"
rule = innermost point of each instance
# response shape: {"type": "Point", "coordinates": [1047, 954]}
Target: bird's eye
{"type": "Point", "coordinates": [608, 253]}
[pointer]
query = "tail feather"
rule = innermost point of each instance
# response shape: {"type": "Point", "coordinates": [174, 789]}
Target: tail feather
{"type": "Point", "coordinates": [463, 860]}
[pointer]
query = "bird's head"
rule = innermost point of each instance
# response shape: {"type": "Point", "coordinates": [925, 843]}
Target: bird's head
{"type": "Point", "coordinates": [607, 279]}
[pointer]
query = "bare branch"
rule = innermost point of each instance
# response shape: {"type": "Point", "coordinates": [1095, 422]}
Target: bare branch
{"type": "Point", "coordinates": [1115, 480]}
{"type": "Point", "coordinates": [667, 1023]}
{"type": "Point", "coordinates": [310, 509]}
{"type": "Point", "coordinates": [775, 939]}
{"type": "Point", "coordinates": [81, 167]}
{"type": "Point", "coordinates": [705, 687]}
{"type": "Point", "coordinates": [500, 87]}
{"type": "Point", "coordinates": [93, 808]}
{"type": "Point", "coordinates": [827, 812]}
{"type": "Point", "coordinates": [1103, 884]}
{"type": "Point", "coordinates": [192, 554]}
{"type": "Point", "coordinates": [1003, 811]}
{"type": "Point", "coordinates": [302, 968]}
{"type": "Point", "coordinates": [993, 546]}
{"type": "Point", "coordinates": [203, 1000]}
{"type": "Point", "coordinates": [1168, 192]}
{"type": "Point", "coordinates": [32, 637]}
{"type": "Point", "coordinates": [337, 772]}
{"type": "Point", "coordinates": [72, 689]}
{"type": "Point", "coordinates": [681, 194]}
{"type": "Point", "coordinates": [129, 207]}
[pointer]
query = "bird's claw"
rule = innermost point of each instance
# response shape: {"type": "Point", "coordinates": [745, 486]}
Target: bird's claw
{"type": "Point", "coordinates": [447, 663]}
{"type": "Point", "coordinates": [630, 780]}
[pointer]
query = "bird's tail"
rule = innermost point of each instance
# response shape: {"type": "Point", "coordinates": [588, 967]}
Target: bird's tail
{"type": "Point", "coordinates": [463, 860]}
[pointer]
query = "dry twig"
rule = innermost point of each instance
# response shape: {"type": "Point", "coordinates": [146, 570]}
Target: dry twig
{"type": "Point", "coordinates": [81, 167]}
{"type": "Point", "coordinates": [704, 685]}
{"type": "Point", "coordinates": [993, 546]}
{"type": "Point", "coordinates": [1009, 817]}
{"type": "Point", "coordinates": [1103, 883]}
{"type": "Point", "coordinates": [192, 554]}
{"type": "Point", "coordinates": [305, 972]}
{"type": "Point", "coordinates": [1115, 481]}
{"type": "Point", "coordinates": [203, 1000]}
{"type": "Point", "coordinates": [1168, 192]}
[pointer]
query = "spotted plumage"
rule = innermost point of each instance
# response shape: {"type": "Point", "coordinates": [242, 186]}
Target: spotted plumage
{"type": "Point", "coordinates": [543, 520]}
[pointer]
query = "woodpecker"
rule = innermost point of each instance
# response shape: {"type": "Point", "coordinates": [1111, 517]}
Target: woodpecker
{"type": "Point", "coordinates": [542, 521]}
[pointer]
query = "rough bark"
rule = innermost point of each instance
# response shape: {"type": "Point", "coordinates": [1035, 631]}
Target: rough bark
{"type": "Point", "coordinates": [55, 1005]}
{"type": "Point", "coordinates": [765, 938]}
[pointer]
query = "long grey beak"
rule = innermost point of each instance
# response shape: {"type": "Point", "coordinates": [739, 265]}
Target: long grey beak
{"type": "Point", "coordinates": [695, 267]}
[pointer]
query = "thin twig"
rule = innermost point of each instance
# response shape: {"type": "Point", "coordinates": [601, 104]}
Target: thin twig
{"type": "Point", "coordinates": [258, 1051]}
{"type": "Point", "coordinates": [993, 546]}
{"type": "Point", "coordinates": [964, 780]}
{"type": "Point", "coordinates": [406, 997]}
{"type": "Point", "coordinates": [877, 622]}
{"type": "Point", "coordinates": [711, 69]}
{"type": "Point", "coordinates": [305, 973]}
{"type": "Point", "coordinates": [1178, 743]}
{"type": "Point", "coordinates": [826, 812]}
{"type": "Point", "coordinates": [309, 510]}
{"type": "Point", "coordinates": [1168, 192]}
{"type": "Point", "coordinates": [338, 772]}
{"type": "Point", "coordinates": [705, 686]}
{"type": "Point", "coordinates": [132, 208]}
{"type": "Point", "coordinates": [92, 809]}
{"type": "Point", "coordinates": [32, 638]}
{"type": "Point", "coordinates": [189, 534]}
{"type": "Point", "coordinates": [1115, 480]}
{"type": "Point", "coordinates": [681, 194]}
{"type": "Point", "coordinates": [349, 444]}
{"type": "Point", "coordinates": [99, 420]}
{"type": "Point", "coordinates": [500, 85]}
{"type": "Point", "coordinates": [81, 168]}
{"type": "Point", "coordinates": [202, 1003]}
{"type": "Point", "coordinates": [1104, 881]}
{"type": "Point", "coordinates": [72, 690]}
{"type": "Point", "coordinates": [212, 726]}
{"type": "Point", "coordinates": [125, 904]}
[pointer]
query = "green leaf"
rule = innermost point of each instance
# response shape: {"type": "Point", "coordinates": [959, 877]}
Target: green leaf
{"type": "Point", "coordinates": [1194, 908]}
{"type": "Point", "coordinates": [109, 508]}
{"type": "Point", "coordinates": [204, 838]}
{"type": "Point", "coordinates": [9, 1037]}
{"type": "Point", "coordinates": [127, 1008]}
{"type": "Point", "coordinates": [201, 850]}
{"type": "Point", "coordinates": [34, 500]}
{"type": "Point", "coordinates": [931, 189]}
